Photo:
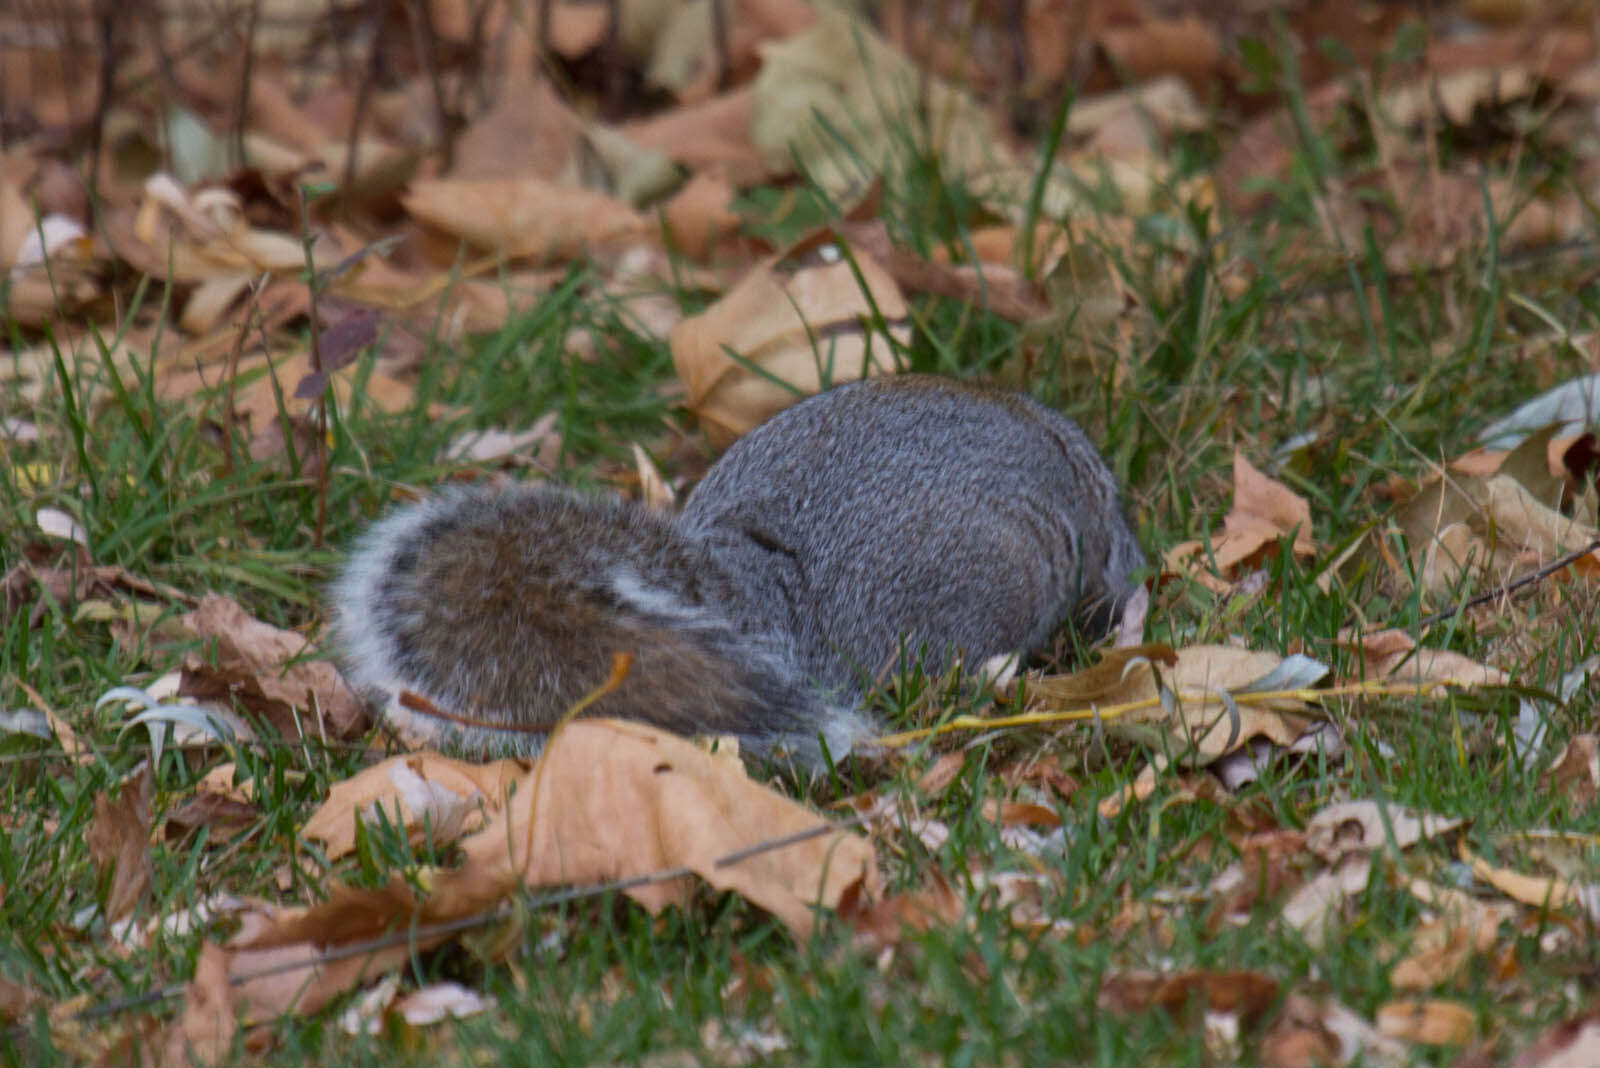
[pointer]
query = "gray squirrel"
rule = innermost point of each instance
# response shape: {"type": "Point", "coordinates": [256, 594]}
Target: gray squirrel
{"type": "Point", "coordinates": [910, 513]}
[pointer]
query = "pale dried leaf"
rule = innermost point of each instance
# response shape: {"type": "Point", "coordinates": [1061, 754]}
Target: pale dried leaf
{"type": "Point", "coordinates": [1315, 906]}
{"type": "Point", "coordinates": [1393, 653]}
{"type": "Point", "coordinates": [1347, 827]}
{"type": "Point", "coordinates": [1312, 1032]}
{"type": "Point", "coordinates": [1573, 1043]}
{"type": "Point", "coordinates": [801, 325]}
{"type": "Point", "coordinates": [1257, 497]}
{"type": "Point", "coordinates": [441, 1001]}
{"type": "Point", "coordinates": [526, 217]}
{"type": "Point", "coordinates": [417, 792]}
{"type": "Point", "coordinates": [633, 800]}
{"type": "Point", "coordinates": [840, 75]}
{"type": "Point", "coordinates": [1428, 1022]}
{"type": "Point", "coordinates": [1458, 926]}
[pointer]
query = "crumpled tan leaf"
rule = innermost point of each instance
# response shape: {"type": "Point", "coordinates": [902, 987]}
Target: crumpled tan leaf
{"type": "Point", "coordinates": [607, 801]}
{"type": "Point", "coordinates": [1394, 653]}
{"type": "Point", "coordinates": [800, 320]}
{"type": "Point", "coordinates": [265, 666]}
{"type": "Point", "coordinates": [613, 800]}
{"type": "Point", "coordinates": [1264, 512]}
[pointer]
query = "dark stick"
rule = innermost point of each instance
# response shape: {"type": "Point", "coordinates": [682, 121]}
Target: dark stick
{"type": "Point", "coordinates": [1511, 587]}
{"type": "Point", "coordinates": [467, 923]}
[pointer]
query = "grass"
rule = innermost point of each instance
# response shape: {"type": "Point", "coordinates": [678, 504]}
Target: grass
{"type": "Point", "coordinates": [1382, 375]}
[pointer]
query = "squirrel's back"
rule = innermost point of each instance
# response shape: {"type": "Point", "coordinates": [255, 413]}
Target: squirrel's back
{"type": "Point", "coordinates": [954, 517]}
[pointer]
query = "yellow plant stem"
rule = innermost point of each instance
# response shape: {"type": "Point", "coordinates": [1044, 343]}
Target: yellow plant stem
{"type": "Point", "coordinates": [1370, 688]}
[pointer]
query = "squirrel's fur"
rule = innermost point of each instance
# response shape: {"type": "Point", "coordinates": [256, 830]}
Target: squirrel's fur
{"type": "Point", "coordinates": [911, 513]}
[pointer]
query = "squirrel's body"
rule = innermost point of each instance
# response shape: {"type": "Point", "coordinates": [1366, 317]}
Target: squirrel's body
{"type": "Point", "coordinates": [908, 513]}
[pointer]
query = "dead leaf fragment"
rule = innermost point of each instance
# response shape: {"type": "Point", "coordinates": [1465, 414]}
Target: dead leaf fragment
{"type": "Point", "coordinates": [1393, 653]}
{"type": "Point", "coordinates": [803, 324]}
{"type": "Point", "coordinates": [634, 800]}
{"type": "Point", "coordinates": [265, 667]}
{"type": "Point", "coordinates": [525, 218]}
{"type": "Point", "coordinates": [1256, 496]}
{"type": "Point", "coordinates": [880, 924]}
{"type": "Point", "coordinates": [1431, 1022]}
{"type": "Point", "coordinates": [607, 800]}
{"type": "Point", "coordinates": [1347, 827]}
{"type": "Point", "coordinates": [1315, 906]}
{"type": "Point", "coordinates": [1543, 892]}
{"type": "Point", "coordinates": [438, 1002]}
{"type": "Point", "coordinates": [1313, 1032]}
{"type": "Point", "coordinates": [1573, 1043]}
{"type": "Point", "coordinates": [1575, 771]}
{"type": "Point", "coordinates": [419, 791]}
{"type": "Point", "coordinates": [841, 79]}
{"type": "Point", "coordinates": [204, 1033]}
{"type": "Point", "coordinates": [119, 842]}
{"type": "Point", "coordinates": [700, 215]}
{"type": "Point", "coordinates": [1264, 513]}
{"type": "Point", "coordinates": [1245, 994]}
{"type": "Point", "coordinates": [1458, 927]}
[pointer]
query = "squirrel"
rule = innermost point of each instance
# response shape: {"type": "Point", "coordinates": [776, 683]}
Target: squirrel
{"type": "Point", "coordinates": [904, 514]}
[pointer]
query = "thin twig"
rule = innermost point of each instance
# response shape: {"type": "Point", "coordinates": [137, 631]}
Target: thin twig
{"type": "Point", "coordinates": [1510, 587]}
{"type": "Point", "coordinates": [468, 923]}
{"type": "Point", "coordinates": [719, 39]}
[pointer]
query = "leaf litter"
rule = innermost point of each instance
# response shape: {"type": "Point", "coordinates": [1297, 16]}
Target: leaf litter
{"type": "Point", "coordinates": [257, 269]}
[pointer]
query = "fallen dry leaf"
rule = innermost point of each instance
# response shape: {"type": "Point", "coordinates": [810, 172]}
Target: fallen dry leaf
{"type": "Point", "coordinates": [277, 963]}
{"type": "Point", "coordinates": [636, 800]}
{"type": "Point", "coordinates": [1539, 891]}
{"type": "Point", "coordinates": [1264, 513]}
{"type": "Point", "coordinates": [1270, 864]}
{"type": "Point", "coordinates": [1495, 526]}
{"type": "Point", "coordinates": [1245, 994]}
{"type": "Point", "coordinates": [119, 842]}
{"type": "Point", "coordinates": [802, 323]}
{"type": "Point", "coordinates": [1256, 496]}
{"type": "Point", "coordinates": [840, 78]}
{"type": "Point", "coordinates": [1345, 835]}
{"type": "Point", "coordinates": [1458, 927]}
{"type": "Point", "coordinates": [526, 217]}
{"type": "Point", "coordinates": [1575, 772]}
{"type": "Point", "coordinates": [882, 923]}
{"type": "Point", "coordinates": [418, 791]}
{"type": "Point", "coordinates": [265, 667]}
{"type": "Point", "coordinates": [218, 804]}
{"type": "Point", "coordinates": [1209, 715]}
{"type": "Point", "coordinates": [1573, 1043]}
{"type": "Point", "coordinates": [1318, 1032]}
{"type": "Point", "coordinates": [203, 1034]}
{"type": "Point", "coordinates": [17, 1000]}
{"type": "Point", "coordinates": [700, 215]}
{"type": "Point", "coordinates": [712, 136]}
{"type": "Point", "coordinates": [1393, 653]}
{"type": "Point", "coordinates": [1317, 903]}
{"type": "Point", "coordinates": [1118, 676]}
{"type": "Point", "coordinates": [1347, 827]}
{"type": "Point", "coordinates": [1430, 1022]}
{"type": "Point", "coordinates": [529, 130]}
{"type": "Point", "coordinates": [606, 801]}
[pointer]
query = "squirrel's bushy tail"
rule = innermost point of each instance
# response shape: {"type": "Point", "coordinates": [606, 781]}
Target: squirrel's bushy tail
{"type": "Point", "coordinates": [479, 619]}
